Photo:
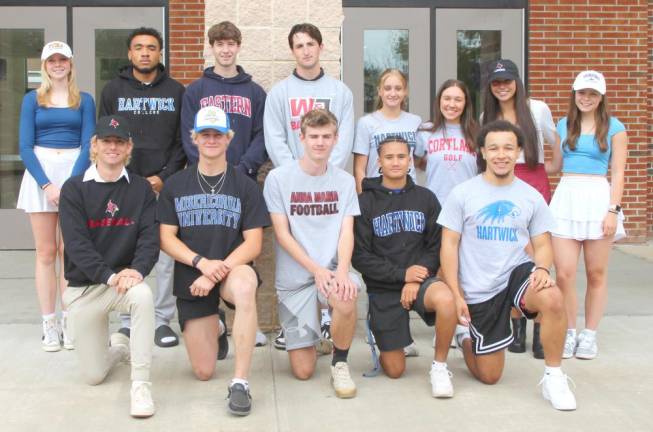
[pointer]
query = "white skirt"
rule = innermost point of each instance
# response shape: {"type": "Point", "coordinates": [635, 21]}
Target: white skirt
{"type": "Point", "coordinates": [579, 205]}
{"type": "Point", "coordinates": [57, 165]}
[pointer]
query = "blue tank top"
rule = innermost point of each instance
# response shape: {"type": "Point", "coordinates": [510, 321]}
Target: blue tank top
{"type": "Point", "coordinates": [588, 157]}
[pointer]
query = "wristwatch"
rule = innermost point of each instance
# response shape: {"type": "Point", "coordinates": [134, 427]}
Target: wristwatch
{"type": "Point", "coordinates": [615, 208]}
{"type": "Point", "coordinates": [196, 260]}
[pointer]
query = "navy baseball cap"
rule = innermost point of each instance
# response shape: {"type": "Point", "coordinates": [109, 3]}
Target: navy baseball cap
{"type": "Point", "coordinates": [112, 125]}
{"type": "Point", "coordinates": [503, 69]}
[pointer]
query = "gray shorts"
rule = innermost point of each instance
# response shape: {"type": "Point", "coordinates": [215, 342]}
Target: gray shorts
{"type": "Point", "coordinates": [298, 314]}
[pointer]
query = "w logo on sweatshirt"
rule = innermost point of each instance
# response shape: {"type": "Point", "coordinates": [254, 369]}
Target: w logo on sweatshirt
{"type": "Point", "coordinates": [300, 106]}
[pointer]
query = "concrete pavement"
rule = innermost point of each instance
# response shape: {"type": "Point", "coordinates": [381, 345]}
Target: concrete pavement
{"type": "Point", "coordinates": [42, 391]}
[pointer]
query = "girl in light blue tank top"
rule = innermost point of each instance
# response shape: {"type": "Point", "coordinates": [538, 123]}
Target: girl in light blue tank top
{"type": "Point", "coordinates": [587, 208]}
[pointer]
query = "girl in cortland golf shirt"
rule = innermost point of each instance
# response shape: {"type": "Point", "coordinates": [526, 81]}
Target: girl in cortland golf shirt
{"type": "Point", "coordinates": [445, 146]}
{"type": "Point", "coordinates": [586, 207]}
{"type": "Point", "coordinates": [389, 119]}
{"type": "Point", "coordinates": [56, 124]}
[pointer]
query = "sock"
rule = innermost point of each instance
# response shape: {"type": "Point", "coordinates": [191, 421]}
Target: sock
{"type": "Point", "coordinates": [438, 365]}
{"type": "Point", "coordinates": [326, 317]}
{"type": "Point", "coordinates": [339, 355]}
{"type": "Point", "coordinates": [571, 332]}
{"type": "Point", "coordinates": [244, 382]}
{"type": "Point", "coordinates": [590, 333]}
{"type": "Point", "coordinates": [550, 370]}
{"type": "Point", "coordinates": [49, 317]}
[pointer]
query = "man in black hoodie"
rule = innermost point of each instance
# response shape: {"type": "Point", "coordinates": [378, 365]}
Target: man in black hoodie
{"type": "Point", "coordinates": [150, 100]}
{"type": "Point", "coordinates": [228, 87]}
{"type": "Point", "coordinates": [397, 247]}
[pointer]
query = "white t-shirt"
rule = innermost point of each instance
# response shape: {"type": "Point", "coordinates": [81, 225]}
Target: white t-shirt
{"type": "Point", "coordinates": [495, 225]}
{"type": "Point", "coordinates": [374, 128]}
{"type": "Point", "coordinates": [449, 161]}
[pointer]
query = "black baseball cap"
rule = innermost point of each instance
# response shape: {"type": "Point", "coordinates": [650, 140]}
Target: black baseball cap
{"type": "Point", "coordinates": [112, 125]}
{"type": "Point", "coordinates": [503, 69]}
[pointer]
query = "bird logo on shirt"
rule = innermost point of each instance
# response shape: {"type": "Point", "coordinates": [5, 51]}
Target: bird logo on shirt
{"type": "Point", "coordinates": [112, 208]}
{"type": "Point", "coordinates": [497, 211]}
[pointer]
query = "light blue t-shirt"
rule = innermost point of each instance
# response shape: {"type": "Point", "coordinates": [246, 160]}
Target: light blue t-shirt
{"type": "Point", "coordinates": [495, 225]}
{"type": "Point", "coordinates": [588, 157]}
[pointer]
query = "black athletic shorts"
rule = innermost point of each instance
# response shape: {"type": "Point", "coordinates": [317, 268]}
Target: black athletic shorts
{"type": "Point", "coordinates": [200, 307]}
{"type": "Point", "coordinates": [490, 327]}
{"type": "Point", "coordinates": [389, 321]}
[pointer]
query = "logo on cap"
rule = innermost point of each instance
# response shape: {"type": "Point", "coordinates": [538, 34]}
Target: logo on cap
{"type": "Point", "coordinates": [589, 76]}
{"type": "Point", "coordinates": [499, 68]}
{"type": "Point", "coordinates": [114, 123]}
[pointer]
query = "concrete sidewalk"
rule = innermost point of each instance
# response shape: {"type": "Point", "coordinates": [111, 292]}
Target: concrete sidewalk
{"type": "Point", "coordinates": [42, 391]}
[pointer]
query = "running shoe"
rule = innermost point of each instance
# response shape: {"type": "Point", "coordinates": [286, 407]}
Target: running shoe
{"type": "Point", "coordinates": [570, 345]}
{"type": "Point", "coordinates": [261, 339]}
{"type": "Point", "coordinates": [66, 335]}
{"type": "Point", "coordinates": [441, 386]}
{"type": "Point", "coordinates": [342, 382]}
{"type": "Point", "coordinates": [239, 399]}
{"type": "Point", "coordinates": [411, 350]}
{"type": "Point", "coordinates": [280, 341]}
{"type": "Point", "coordinates": [50, 341]}
{"type": "Point", "coordinates": [586, 348]}
{"type": "Point", "coordinates": [142, 404]}
{"type": "Point", "coordinates": [555, 389]}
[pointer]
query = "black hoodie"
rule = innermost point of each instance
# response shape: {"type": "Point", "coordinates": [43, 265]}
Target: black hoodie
{"type": "Point", "coordinates": [244, 102]}
{"type": "Point", "coordinates": [153, 111]}
{"type": "Point", "coordinates": [396, 229]}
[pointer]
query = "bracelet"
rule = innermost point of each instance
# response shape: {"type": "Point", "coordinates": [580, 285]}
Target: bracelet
{"type": "Point", "coordinates": [542, 268]}
{"type": "Point", "coordinates": [613, 211]}
{"type": "Point", "coordinates": [196, 260]}
{"type": "Point", "coordinates": [45, 186]}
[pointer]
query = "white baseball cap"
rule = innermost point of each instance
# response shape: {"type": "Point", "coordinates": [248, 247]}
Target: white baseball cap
{"type": "Point", "coordinates": [590, 79]}
{"type": "Point", "coordinates": [56, 47]}
{"type": "Point", "coordinates": [211, 118]}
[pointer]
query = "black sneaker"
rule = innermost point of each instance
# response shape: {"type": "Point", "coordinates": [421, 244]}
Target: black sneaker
{"type": "Point", "coordinates": [280, 341]}
{"type": "Point", "coordinates": [125, 331]}
{"type": "Point", "coordinates": [165, 337]}
{"type": "Point", "coordinates": [223, 342]}
{"type": "Point", "coordinates": [240, 402]}
{"type": "Point", "coordinates": [326, 331]}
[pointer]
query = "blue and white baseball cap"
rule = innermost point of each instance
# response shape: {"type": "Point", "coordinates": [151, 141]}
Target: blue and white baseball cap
{"type": "Point", "coordinates": [590, 79]}
{"type": "Point", "coordinates": [211, 118]}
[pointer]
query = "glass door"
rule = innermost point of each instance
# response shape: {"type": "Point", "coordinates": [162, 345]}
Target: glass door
{"type": "Point", "coordinates": [23, 32]}
{"type": "Point", "coordinates": [468, 39]}
{"type": "Point", "coordinates": [99, 39]}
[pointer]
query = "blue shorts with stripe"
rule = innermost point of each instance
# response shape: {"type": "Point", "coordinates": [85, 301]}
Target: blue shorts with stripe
{"type": "Point", "coordinates": [490, 327]}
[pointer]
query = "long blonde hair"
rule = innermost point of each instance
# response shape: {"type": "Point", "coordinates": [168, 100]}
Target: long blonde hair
{"type": "Point", "coordinates": [384, 75]}
{"type": "Point", "coordinates": [43, 92]}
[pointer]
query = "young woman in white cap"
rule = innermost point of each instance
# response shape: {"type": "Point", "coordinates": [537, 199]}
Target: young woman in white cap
{"type": "Point", "coordinates": [505, 98]}
{"type": "Point", "coordinates": [56, 124]}
{"type": "Point", "coordinates": [587, 208]}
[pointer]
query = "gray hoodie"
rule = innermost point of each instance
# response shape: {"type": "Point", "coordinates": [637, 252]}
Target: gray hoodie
{"type": "Point", "coordinates": [293, 97]}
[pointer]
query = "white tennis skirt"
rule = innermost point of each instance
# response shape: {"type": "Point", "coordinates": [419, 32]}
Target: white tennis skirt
{"type": "Point", "coordinates": [57, 165]}
{"type": "Point", "coordinates": [579, 205]}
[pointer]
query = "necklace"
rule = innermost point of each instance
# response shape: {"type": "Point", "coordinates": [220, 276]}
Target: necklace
{"type": "Point", "coordinates": [220, 182]}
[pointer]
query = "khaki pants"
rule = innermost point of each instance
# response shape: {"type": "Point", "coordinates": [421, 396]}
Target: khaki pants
{"type": "Point", "coordinates": [88, 314]}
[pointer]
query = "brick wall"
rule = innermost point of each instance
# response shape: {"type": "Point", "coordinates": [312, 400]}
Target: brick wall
{"type": "Point", "coordinates": [567, 37]}
{"type": "Point", "coordinates": [186, 39]}
{"type": "Point", "coordinates": [650, 117]}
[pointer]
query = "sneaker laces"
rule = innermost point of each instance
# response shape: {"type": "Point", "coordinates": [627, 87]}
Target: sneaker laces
{"type": "Point", "coordinates": [142, 394]}
{"type": "Point", "coordinates": [341, 371]}
{"type": "Point", "coordinates": [440, 371]}
{"type": "Point", "coordinates": [50, 330]}
{"type": "Point", "coordinates": [561, 378]}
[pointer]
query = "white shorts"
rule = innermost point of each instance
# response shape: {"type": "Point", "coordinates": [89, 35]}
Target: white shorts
{"type": "Point", "coordinates": [579, 205]}
{"type": "Point", "coordinates": [58, 166]}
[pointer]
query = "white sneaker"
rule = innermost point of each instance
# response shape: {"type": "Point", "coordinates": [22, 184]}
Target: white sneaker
{"type": "Point", "coordinates": [121, 343]}
{"type": "Point", "coordinates": [586, 348]}
{"type": "Point", "coordinates": [441, 386]}
{"type": "Point", "coordinates": [570, 345]}
{"type": "Point", "coordinates": [342, 382]}
{"type": "Point", "coordinates": [66, 334]}
{"type": "Point", "coordinates": [142, 404]}
{"type": "Point", "coordinates": [411, 350]}
{"type": "Point", "coordinates": [50, 340]}
{"type": "Point", "coordinates": [555, 388]}
{"type": "Point", "coordinates": [261, 339]}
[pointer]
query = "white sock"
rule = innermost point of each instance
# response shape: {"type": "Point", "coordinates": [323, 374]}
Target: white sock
{"type": "Point", "coordinates": [438, 365]}
{"type": "Point", "coordinates": [49, 317]}
{"type": "Point", "coordinates": [550, 370]}
{"type": "Point", "coordinates": [326, 317]}
{"type": "Point", "coordinates": [239, 381]}
{"type": "Point", "coordinates": [136, 383]}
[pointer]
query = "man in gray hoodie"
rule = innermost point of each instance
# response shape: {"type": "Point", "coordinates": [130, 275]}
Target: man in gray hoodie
{"type": "Point", "coordinates": [307, 88]}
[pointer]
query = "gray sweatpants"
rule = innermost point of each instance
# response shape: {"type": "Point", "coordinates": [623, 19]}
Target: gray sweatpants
{"type": "Point", "coordinates": [164, 301]}
{"type": "Point", "coordinates": [88, 314]}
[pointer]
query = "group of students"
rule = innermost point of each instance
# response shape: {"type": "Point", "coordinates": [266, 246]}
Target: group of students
{"type": "Point", "coordinates": [171, 183]}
